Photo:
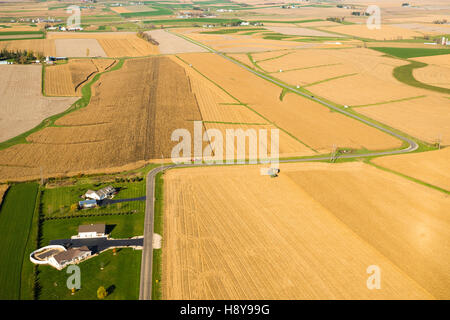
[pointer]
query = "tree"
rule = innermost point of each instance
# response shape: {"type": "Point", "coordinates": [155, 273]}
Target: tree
{"type": "Point", "coordinates": [73, 207]}
{"type": "Point", "coordinates": [101, 292]}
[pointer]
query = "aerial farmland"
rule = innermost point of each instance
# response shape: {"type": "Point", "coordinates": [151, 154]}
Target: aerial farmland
{"type": "Point", "coordinates": [224, 150]}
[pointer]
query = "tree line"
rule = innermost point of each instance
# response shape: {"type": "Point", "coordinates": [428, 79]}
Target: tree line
{"type": "Point", "coordinates": [21, 56]}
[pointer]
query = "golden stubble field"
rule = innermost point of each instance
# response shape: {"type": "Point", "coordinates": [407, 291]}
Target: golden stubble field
{"type": "Point", "coordinates": [311, 233]}
{"type": "Point", "coordinates": [426, 118]}
{"type": "Point", "coordinates": [68, 79]}
{"type": "Point", "coordinates": [220, 111]}
{"type": "Point", "coordinates": [309, 122]}
{"type": "Point", "coordinates": [128, 121]}
{"type": "Point", "coordinates": [86, 44]}
{"type": "Point", "coordinates": [430, 167]}
{"type": "Point", "coordinates": [239, 43]}
{"type": "Point", "coordinates": [353, 76]}
{"type": "Point", "coordinates": [44, 46]}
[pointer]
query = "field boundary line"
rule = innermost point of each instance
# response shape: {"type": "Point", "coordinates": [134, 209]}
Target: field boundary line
{"type": "Point", "coordinates": [250, 108]}
{"type": "Point", "coordinates": [421, 182]}
{"type": "Point", "coordinates": [388, 102]}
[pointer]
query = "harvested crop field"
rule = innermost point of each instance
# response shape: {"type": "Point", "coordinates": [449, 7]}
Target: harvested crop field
{"type": "Point", "coordinates": [44, 46]}
{"type": "Point", "coordinates": [355, 76]}
{"type": "Point", "coordinates": [240, 239]}
{"type": "Point", "coordinates": [241, 43]}
{"type": "Point", "coordinates": [22, 106]}
{"type": "Point", "coordinates": [112, 44]}
{"type": "Point", "coordinates": [437, 72]}
{"type": "Point", "coordinates": [68, 79]}
{"type": "Point", "coordinates": [438, 76]}
{"type": "Point", "coordinates": [425, 118]}
{"type": "Point", "coordinates": [303, 32]}
{"type": "Point", "coordinates": [79, 48]}
{"type": "Point", "coordinates": [431, 167]}
{"type": "Point", "coordinates": [129, 120]}
{"type": "Point", "coordinates": [172, 44]}
{"type": "Point", "coordinates": [128, 47]}
{"type": "Point", "coordinates": [295, 115]}
{"type": "Point", "coordinates": [387, 32]}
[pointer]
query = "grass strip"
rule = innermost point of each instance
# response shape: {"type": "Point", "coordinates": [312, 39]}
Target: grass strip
{"type": "Point", "coordinates": [387, 102]}
{"type": "Point", "coordinates": [426, 184]}
{"type": "Point", "coordinates": [405, 74]}
{"type": "Point", "coordinates": [330, 79]}
{"type": "Point", "coordinates": [158, 224]}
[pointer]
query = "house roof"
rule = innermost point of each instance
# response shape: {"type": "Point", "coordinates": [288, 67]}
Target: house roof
{"type": "Point", "coordinates": [87, 202]}
{"type": "Point", "coordinates": [70, 254]}
{"type": "Point", "coordinates": [99, 228]}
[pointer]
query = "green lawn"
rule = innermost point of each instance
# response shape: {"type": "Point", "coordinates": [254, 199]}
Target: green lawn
{"type": "Point", "coordinates": [406, 53]}
{"type": "Point", "coordinates": [15, 221]}
{"type": "Point", "coordinates": [125, 226]}
{"type": "Point", "coordinates": [120, 276]}
{"type": "Point", "coordinates": [158, 228]}
{"type": "Point", "coordinates": [57, 202]}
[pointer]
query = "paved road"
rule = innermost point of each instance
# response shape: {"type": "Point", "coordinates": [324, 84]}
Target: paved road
{"type": "Point", "coordinates": [99, 244]}
{"type": "Point", "coordinates": [107, 201]}
{"type": "Point", "coordinates": [147, 253]}
{"type": "Point", "coordinates": [145, 290]}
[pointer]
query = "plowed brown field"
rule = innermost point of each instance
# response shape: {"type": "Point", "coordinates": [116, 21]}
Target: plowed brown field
{"type": "Point", "coordinates": [311, 233]}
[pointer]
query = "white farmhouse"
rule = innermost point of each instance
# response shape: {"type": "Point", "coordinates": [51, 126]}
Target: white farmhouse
{"type": "Point", "coordinates": [100, 194]}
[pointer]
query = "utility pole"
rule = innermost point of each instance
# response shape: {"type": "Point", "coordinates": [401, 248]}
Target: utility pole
{"type": "Point", "coordinates": [333, 153]}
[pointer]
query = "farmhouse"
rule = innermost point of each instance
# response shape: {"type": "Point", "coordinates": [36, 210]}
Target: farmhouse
{"type": "Point", "coordinates": [100, 194]}
{"type": "Point", "coordinates": [70, 256]}
{"type": "Point", "coordinates": [91, 231]}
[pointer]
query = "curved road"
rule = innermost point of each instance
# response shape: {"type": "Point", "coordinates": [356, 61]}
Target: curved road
{"type": "Point", "coordinates": [145, 292]}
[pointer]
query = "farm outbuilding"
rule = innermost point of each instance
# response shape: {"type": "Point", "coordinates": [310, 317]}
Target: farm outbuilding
{"type": "Point", "coordinates": [91, 231]}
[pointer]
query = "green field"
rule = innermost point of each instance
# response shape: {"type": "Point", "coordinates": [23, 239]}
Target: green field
{"type": "Point", "coordinates": [123, 226]}
{"type": "Point", "coordinates": [234, 30]}
{"type": "Point", "coordinates": [406, 53]}
{"type": "Point", "coordinates": [158, 11]}
{"type": "Point", "coordinates": [57, 202]}
{"type": "Point", "coordinates": [405, 74]}
{"type": "Point", "coordinates": [158, 228]}
{"type": "Point", "coordinates": [193, 20]}
{"type": "Point", "coordinates": [15, 33]}
{"type": "Point", "coordinates": [120, 277]}
{"type": "Point", "coordinates": [121, 272]}
{"type": "Point", "coordinates": [16, 217]}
